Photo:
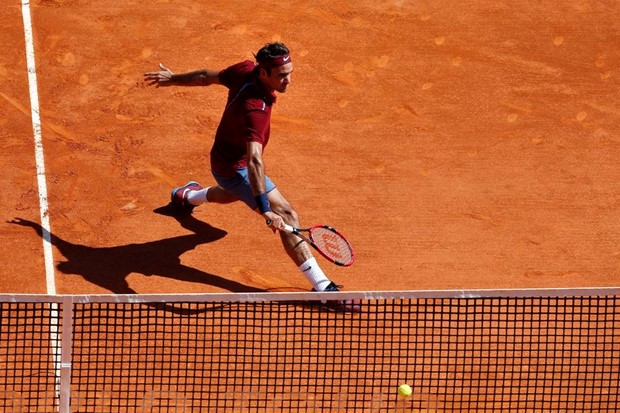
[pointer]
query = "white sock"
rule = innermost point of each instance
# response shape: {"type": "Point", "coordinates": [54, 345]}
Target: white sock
{"type": "Point", "coordinates": [314, 274]}
{"type": "Point", "coordinates": [197, 197]}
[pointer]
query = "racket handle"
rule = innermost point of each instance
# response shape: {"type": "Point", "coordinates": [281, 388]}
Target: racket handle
{"type": "Point", "coordinates": [287, 227]}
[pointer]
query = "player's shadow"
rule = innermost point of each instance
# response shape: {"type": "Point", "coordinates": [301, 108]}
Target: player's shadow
{"type": "Point", "coordinates": [108, 267]}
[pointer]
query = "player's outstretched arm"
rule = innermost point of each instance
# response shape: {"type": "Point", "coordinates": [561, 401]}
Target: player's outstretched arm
{"type": "Point", "coordinates": [165, 77]}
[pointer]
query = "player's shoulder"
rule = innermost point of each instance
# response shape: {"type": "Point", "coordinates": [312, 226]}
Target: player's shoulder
{"type": "Point", "coordinates": [236, 75]}
{"type": "Point", "coordinates": [240, 69]}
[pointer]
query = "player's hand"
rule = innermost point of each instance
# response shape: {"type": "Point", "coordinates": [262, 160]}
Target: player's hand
{"type": "Point", "coordinates": [160, 78]}
{"type": "Point", "coordinates": [274, 221]}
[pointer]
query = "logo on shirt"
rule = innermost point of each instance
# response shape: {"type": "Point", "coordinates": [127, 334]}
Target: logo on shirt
{"type": "Point", "coordinates": [286, 58]}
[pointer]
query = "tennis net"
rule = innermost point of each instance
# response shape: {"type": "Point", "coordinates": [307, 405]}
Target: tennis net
{"type": "Point", "coordinates": [552, 350]}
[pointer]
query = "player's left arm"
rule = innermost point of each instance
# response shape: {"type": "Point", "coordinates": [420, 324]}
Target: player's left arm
{"type": "Point", "coordinates": [165, 77]}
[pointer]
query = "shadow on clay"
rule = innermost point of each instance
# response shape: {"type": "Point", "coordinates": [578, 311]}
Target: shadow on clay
{"type": "Point", "coordinates": [109, 267]}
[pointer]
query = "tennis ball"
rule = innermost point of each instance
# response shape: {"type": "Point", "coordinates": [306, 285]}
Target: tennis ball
{"type": "Point", "coordinates": [404, 390]}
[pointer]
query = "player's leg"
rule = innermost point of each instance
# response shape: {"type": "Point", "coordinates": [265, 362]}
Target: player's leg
{"type": "Point", "coordinates": [217, 195]}
{"type": "Point", "coordinates": [301, 254]}
{"type": "Point", "coordinates": [298, 250]}
{"type": "Point", "coordinates": [192, 194]}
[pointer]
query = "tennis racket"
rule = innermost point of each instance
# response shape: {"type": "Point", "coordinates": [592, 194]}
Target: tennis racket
{"type": "Point", "coordinates": [330, 243]}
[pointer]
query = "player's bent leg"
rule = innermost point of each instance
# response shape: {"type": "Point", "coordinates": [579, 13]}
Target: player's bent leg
{"type": "Point", "coordinates": [219, 195]}
{"type": "Point", "coordinates": [281, 206]}
{"type": "Point", "coordinates": [192, 194]}
{"type": "Point", "coordinates": [298, 250]}
{"type": "Point", "coordinates": [301, 254]}
{"type": "Point", "coordinates": [294, 246]}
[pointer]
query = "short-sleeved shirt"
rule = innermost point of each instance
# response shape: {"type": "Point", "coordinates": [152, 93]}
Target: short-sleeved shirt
{"type": "Point", "coordinates": [247, 118]}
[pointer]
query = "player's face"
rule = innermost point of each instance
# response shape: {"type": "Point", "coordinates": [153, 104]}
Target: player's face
{"type": "Point", "coordinates": [279, 78]}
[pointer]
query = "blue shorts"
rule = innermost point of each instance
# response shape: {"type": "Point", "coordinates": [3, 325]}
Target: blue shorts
{"type": "Point", "coordinates": [239, 185]}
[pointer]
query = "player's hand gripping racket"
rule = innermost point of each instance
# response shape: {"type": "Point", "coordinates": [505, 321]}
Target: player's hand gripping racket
{"type": "Point", "coordinates": [330, 243]}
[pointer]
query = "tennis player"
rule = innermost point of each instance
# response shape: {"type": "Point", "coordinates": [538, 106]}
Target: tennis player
{"type": "Point", "coordinates": [237, 162]}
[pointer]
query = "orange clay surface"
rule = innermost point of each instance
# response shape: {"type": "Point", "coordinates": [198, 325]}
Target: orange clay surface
{"type": "Point", "coordinates": [458, 144]}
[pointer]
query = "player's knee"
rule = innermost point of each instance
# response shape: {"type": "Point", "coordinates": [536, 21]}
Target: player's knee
{"type": "Point", "coordinates": [289, 215]}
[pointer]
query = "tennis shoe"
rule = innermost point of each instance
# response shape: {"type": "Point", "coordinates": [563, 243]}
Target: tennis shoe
{"type": "Point", "coordinates": [342, 306]}
{"type": "Point", "coordinates": [179, 196]}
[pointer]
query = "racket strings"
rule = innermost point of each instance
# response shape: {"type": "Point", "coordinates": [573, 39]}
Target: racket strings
{"type": "Point", "coordinates": [332, 244]}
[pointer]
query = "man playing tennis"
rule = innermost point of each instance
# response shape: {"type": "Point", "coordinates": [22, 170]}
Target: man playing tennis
{"type": "Point", "coordinates": [237, 154]}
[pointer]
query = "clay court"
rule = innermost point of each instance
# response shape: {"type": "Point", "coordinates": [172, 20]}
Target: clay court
{"type": "Point", "coordinates": [457, 145]}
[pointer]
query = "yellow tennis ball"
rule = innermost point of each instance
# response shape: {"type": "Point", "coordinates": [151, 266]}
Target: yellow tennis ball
{"type": "Point", "coordinates": [404, 390]}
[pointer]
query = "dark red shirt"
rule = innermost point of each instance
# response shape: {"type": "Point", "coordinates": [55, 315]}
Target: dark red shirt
{"type": "Point", "coordinates": [247, 118]}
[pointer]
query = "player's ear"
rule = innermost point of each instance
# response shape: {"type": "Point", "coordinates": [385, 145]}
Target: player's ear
{"type": "Point", "coordinates": [262, 72]}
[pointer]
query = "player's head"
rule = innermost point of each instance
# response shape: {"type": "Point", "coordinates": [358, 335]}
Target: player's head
{"type": "Point", "coordinates": [275, 66]}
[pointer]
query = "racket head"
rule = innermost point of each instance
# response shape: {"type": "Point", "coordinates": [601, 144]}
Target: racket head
{"type": "Point", "coordinates": [332, 245]}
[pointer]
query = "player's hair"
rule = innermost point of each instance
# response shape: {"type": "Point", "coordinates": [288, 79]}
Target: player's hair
{"type": "Point", "coordinates": [271, 51]}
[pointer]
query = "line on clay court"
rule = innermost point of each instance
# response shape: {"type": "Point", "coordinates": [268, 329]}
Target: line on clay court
{"type": "Point", "coordinates": [38, 149]}
{"type": "Point", "coordinates": [42, 184]}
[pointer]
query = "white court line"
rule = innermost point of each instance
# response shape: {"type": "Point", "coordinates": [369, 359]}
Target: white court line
{"type": "Point", "coordinates": [62, 383]}
{"type": "Point", "coordinates": [38, 151]}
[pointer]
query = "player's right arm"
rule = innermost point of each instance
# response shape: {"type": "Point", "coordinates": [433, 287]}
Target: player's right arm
{"type": "Point", "coordinates": [256, 175]}
{"type": "Point", "coordinates": [165, 77]}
